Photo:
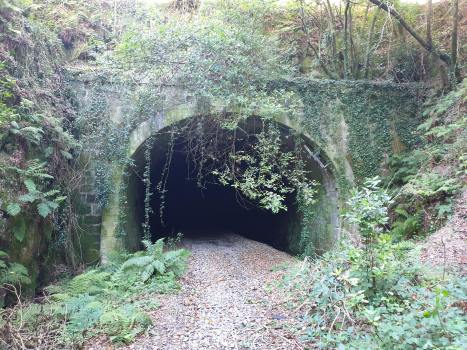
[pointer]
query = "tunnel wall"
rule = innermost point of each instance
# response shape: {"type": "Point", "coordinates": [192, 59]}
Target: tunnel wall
{"type": "Point", "coordinates": [354, 126]}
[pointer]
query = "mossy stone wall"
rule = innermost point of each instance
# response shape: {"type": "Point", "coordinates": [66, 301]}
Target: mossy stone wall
{"type": "Point", "coordinates": [352, 126]}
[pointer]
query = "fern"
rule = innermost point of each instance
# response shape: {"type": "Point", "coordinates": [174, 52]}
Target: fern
{"type": "Point", "coordinates": [15, 274]}
{"type": "Point", "coordinates": [13, 209]}
{"type": "Point", "coordinates": [404, 245]}
{"type": "Point", "coordinates": [30, 133]}
{"type": "Point", "coordinates": [154, 262]}
{"type": "Point", "coordinates": [97, 301]}
{"type": "Point", "coordinates": [46, 204]}
{"type": "Point", "coordinates": [19, 228]}
{"type": "Point", "coordinates": [91, 282]}
{"type": "Point", "coordinates": [402, 229]}
{"type": "Point", "coordinates": [74, 304]}
{"type": "Point", "coordinates": [34, 170]}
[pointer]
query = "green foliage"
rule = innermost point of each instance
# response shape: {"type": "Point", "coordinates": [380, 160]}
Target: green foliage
{"type": "Point", "coordinates": [428, 177]}
{"type": "Point", "coordinates": [44, 201]}
{"type": "Point", "coordinates": [19, 227]}
{"type": "Point", "coordinates": [12, 273]}
{"type": "Point", "coordinates": [377, 295]}
{"type": "Point", "coordinates": [6, 111]}
{"type": "Point", "coordinates": [265, 172]}
{"type": "Point", "coordinates": [112, 299]}
{"type": "Point", "coordinates": [13, 209]}
{"type": "Point", "coordinates": [368, 212]}
{"type": "Point", "coordinates": [153, 261]}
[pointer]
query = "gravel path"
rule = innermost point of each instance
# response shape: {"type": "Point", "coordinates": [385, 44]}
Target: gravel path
{"type": "Point", "coordinates": [224, 302]}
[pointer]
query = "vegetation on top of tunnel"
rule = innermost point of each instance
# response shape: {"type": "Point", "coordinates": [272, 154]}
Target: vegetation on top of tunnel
{"type": "Point", "coordinates": [222, 58]}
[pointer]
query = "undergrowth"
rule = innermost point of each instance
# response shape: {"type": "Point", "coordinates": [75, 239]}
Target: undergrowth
{"type": "Point", "coordinates": [428, 178]}
{"type": "Point", "coordinates": [110, 300]}
{"type": "Point", "coordinates": [372, 293]}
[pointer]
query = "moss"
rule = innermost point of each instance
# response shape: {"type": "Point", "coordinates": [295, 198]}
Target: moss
{"type": "Point", "coordinates": [90, 245]}
{"type": "Point", "coordinates": [92, 220]}
{"type": "Point", "coordinates": [29, 251]}
{"type": "Point", "coordinates": [94, 230]}
{"type": "Point", "coordinates": [83, 209]}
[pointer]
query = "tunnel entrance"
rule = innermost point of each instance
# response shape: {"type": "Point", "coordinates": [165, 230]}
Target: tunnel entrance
{"type": "Point", "coordinates": [191, 207]}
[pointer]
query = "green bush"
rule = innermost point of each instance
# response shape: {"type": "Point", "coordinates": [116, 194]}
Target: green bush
{"type": "Point", "coordinates": [376, 295]}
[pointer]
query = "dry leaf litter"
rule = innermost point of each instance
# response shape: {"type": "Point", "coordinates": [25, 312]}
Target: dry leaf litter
{"type": "Point", "coordinates": [449, 244]}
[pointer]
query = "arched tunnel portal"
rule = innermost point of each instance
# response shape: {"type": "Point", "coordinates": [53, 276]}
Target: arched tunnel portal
{"type": "Point", "coordinates": [214, 207]}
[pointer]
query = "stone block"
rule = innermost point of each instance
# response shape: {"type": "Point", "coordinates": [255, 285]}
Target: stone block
{"type": "Point", "coordinates": [92, 220]}
{"type": "Point", "coordinates": [95, 209]}
{"type": "Point", "coordinates": [90, 245]}
{"type": "Point", "coordinates": [84, 209]}
{"type": "Point", "coordinates": [93, 229]}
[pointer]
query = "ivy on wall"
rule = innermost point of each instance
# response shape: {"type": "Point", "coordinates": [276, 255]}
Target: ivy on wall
{"type": "Point", "coordinates": [379, 119]}
{"type": "Point", "coordinates": [214, 62]}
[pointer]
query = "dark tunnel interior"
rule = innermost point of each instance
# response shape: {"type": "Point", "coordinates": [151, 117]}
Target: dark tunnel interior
{"type": "Point", "coordinates": [189, 208]}
{"type": "Point", "coordinates": [215, 207]}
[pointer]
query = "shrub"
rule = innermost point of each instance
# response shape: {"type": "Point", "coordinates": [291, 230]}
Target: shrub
{"type": "Point", "coordinates": [377, 295]}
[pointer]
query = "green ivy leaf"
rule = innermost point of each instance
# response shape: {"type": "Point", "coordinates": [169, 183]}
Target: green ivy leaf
{"type": "Point", "coordinates": [427, 314]}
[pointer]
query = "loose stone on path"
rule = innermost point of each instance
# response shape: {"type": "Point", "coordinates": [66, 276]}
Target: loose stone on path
{"type": "Point", "coordinates": [223, 302]}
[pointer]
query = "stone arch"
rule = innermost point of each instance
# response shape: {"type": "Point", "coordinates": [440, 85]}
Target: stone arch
{"type": "Point", "coordinates": [328, 203]}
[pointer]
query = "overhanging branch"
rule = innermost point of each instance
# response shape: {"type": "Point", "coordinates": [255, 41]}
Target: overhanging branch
{"type": "Point", "coordinates": [393, 12]}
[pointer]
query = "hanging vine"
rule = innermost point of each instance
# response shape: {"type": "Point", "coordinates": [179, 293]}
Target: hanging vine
{"type": "Point", "coordinates": [148, 193]}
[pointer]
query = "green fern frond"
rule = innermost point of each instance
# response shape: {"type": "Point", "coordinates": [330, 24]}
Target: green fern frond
{"type": "Point", "coordinates": [13, 209]}
{"type": "Point", "coordinates": [14, 274]}
{"type": "Point", "coordinates": [137, 262]}
{"type": "Point", "coordinates": [19, 227]}
{"type": "Point", "coordinates": [84, 319]}
{"type": "Point", "coordinates": [74, 304]}
{"type": "Point", "coordinates": [405, 245]}
{"type": "Point", "coordinates": [154, 249]}
{"type": "Point", "coordinates": [402, 212]}
{"type": "Point", "coordinates": [91, 282]}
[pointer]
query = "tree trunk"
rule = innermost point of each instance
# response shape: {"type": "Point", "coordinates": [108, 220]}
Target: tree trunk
{"type": "Point", "coordinates": [332, 26]}
{"type": "Point", "coordinates": [429, 39]}
{"type": "Point", "coordinates": [346, 39]}
{"type": "Point", "coordinates": [368, 47]}
{"type": "Point", "coordinates": [442, 72]}
{"type": "Point", "coordinates": [436, 57]}
{"type": "Point", "coordinates": [308, 39]}
{"type": "Point", "coordinates": [455, 19]}
{"type": "Point", "coordinates": [353, 48]}
{"type": "Point", "coordinates": [365, 18]}
{"type": "Point", "coordinates": [401, 32]}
